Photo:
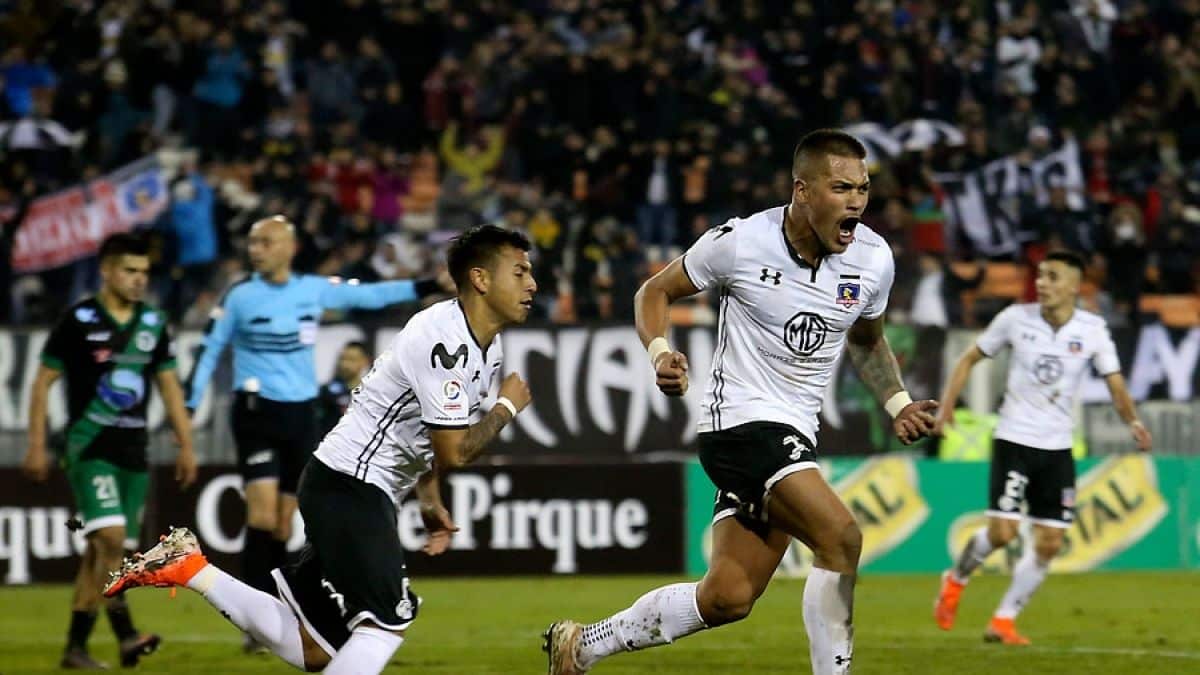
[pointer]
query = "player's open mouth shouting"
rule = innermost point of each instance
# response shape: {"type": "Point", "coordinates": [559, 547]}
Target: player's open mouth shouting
{"type": "Point", "coordinates": [846, 230]}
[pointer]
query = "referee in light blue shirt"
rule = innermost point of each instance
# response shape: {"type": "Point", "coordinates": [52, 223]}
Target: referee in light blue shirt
{"type": "Point", "coordinates": [271, 318]}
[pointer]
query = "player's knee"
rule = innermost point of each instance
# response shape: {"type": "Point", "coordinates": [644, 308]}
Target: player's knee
{"type": "Point", "coordinates": [315, 658]}
{"type": "Point", "coordinates": [1047, 546]}
{"type": "Point", "coordinates": [850, 541]}
{"type": "Point", "coordinates": [109, 542]}
{"type": "Point", "coordinates": [262, 519]}
{"type": "Point", "coordinates": [1046, 551]}
{"type": "Point", "coordinates": [1001, 532]}
{"type": "Point", "coordinates": [839, 547]}
{"type": "Point", "coordinates": [723, 603]}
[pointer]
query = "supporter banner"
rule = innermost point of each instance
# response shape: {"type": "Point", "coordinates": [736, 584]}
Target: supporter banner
{"type": "Point", "coordinates": [985, 203]}
{"type": "Point", "coordinates": [69, 225]}
{"type": "Point", "coordinates": [520, 519]}
{"type": "Point", "coordinates": [1133, 511]}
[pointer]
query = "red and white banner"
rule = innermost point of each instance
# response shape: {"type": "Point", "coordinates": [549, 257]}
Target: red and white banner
{"type": "Point", "coordinates": [69, 225]}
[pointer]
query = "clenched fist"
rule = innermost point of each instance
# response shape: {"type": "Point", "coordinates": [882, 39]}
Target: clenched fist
{"type": "Point", "coordinates": [670, 372]}
{"type": "Point", "coordinates": [516, 390]}
{"type": "Point", "coordinates": [915, 421]}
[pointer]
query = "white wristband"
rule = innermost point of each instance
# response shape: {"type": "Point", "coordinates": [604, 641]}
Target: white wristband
{"type": "Point", "coordinates": [897, 402]}
{"type": "Point", "coordinates": [657, 347]}
{"type": "Point", "coordinates": [503, 400]}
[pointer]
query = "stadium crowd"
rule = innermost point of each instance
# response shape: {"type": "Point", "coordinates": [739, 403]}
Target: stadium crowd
{"type": "Point", "coordinates": [612, 132]}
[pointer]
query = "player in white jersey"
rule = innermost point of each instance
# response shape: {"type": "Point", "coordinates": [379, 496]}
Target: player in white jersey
{"type": "Point", "coordinates": [798, 285]}
{"type": "Point", "coordinates": [345, 605]}
{"type": "Point", "coordinates": [1053, 344]}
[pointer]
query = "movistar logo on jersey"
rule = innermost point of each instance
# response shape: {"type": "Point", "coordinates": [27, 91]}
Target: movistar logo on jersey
{"type": "Point", "coordinates": [448, 360]}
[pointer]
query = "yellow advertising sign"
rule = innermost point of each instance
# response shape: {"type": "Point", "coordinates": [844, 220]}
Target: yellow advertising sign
{"type": "Point", "coordinates": [885, 497]}
{"type": "Point", "coordinates": [1117, 503]}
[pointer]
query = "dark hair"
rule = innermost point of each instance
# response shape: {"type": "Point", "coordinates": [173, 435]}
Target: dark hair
{"type": "Point", "coordinates": [1070, 258]}
{"type": "Point", "coordinates": [824, 142]}
{"type": "Point", "coordinates": [476, 247]}
{"type": "Point", "coordinates": [123, 243]}
{"type": "Point", "coordinates": [361, 346]}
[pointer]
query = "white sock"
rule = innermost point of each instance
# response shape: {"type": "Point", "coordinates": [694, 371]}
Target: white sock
{"type": "Point", "coordinates": [978, 548]}
{"type": "Point", "coordinates": [657, 618]}
{"type": "Point", "coordinates": [1029, 573]}
{"type": "Point", "coordinates": [266, 617]}
{"type": "Point", "coordinates": [366, 652]}
{"type": "Point", "coordinates": [829, 618]}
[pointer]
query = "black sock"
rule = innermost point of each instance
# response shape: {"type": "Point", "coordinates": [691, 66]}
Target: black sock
{"type": "Point", "coordinates": [81, 629]}
{"type": "Point", "coordinates": [119, 618]}
{"type": "Point", "coordinates": [258, 557]}
{"type": "Point", "coordinates": [278, 557]}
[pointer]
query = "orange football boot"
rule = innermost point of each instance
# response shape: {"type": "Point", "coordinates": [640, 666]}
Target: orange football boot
{"type": "Point", "coordinates": [1004, 631]}
{"type": "Point", "coordinates": [172, 562]}
{"type": "Point", "coordinates": [945, 608]}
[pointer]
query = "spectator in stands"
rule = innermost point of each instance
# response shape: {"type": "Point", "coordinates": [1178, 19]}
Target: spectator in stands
{"type": "Point", "coordinates": [1062, 227]}
{"type": "Point", "coordinates": [324, 90]}
{"type": "Point", "coordinates": [195, 232]}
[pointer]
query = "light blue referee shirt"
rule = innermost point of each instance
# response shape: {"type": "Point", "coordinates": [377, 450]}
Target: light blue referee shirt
{"type": "Point", "coordinates": [273, 328]}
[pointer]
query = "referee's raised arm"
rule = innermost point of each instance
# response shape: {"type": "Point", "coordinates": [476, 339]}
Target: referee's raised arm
{"type": "Point", "coordinates": [337, 293]}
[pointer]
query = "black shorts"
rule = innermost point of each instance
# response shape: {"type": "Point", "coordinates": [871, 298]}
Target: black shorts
{"type": "Point", "coordinates": [274, 438]}
{"type": "Point", "coordinates": [352, 567]}
{"type": "Point", "coordinates": [746, 461]}
{"type": "Point", "coordinates": [1042, 480]}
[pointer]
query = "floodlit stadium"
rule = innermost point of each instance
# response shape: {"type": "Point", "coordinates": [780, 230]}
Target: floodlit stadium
{"type": "Point", "coordinates": [683, 336]}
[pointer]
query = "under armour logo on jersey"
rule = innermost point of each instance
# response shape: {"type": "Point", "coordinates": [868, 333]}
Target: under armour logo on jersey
{"type": "Point", "coordinates": [796, 445]}
{"type": "Point", "coordinates": [766, 274]}
{"type": "Point", "coordinates": [722, 231]}
{"type": "Point", "coordinates": [1029, 336]}
{"type": "Point", "coordinates": [841, 660]}
{"type": "Point", "coordinates": [448, 360]}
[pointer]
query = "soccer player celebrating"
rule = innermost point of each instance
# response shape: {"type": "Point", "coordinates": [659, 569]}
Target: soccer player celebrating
{"type": "Point", "coordinates": [798, 284]}
{"type": "Point", "coordinates": [272, 318]}
{"type": "Point", "coordinates": [346, 604]}
{"type": "Point", "coordinates": [1053, 343]}
{"type": "Point", "coordinates": [110, 347]}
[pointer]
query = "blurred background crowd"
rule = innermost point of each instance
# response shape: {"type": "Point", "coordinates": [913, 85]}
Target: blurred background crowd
{"type": "Point", "coordinates": [613, 133]}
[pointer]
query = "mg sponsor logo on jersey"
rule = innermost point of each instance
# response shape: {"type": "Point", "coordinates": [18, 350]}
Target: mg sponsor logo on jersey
{"type": "Point", "coordinates": [805, 333]}
{"type": "Point", "coordinates": [1048, 369]}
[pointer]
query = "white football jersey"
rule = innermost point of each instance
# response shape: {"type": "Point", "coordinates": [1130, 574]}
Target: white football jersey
{"type": "Point", "coordinates": [782, 324]}
{"type": "Point", "coordinates": [433, 374]}
{"type": "Point", "coordinates": [1044, 371]}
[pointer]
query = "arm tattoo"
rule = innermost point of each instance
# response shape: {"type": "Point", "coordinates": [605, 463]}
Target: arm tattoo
{"type": "Point", "coordinates": [876, 366]}
{"type": "Point", "coordinates": [483, 432]}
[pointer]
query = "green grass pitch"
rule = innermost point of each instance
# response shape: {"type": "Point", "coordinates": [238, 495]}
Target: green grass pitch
{"type": "Point", "coordinates": [1110, 624]}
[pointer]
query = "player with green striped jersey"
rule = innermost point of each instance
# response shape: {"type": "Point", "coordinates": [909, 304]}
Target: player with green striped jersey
{"type": "Point", "coordinates": [111, 348]}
